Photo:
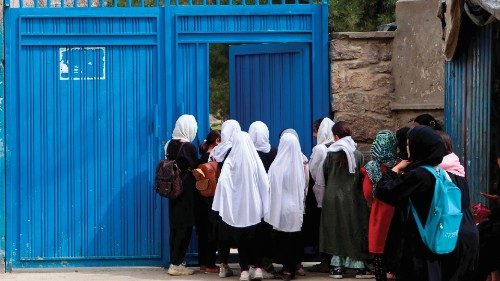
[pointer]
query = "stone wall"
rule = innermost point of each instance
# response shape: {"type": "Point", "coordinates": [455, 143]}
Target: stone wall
{"type": "Point", "coordinates": [385, 79]}
{"type": "Point", "coordinates": [362, 83]}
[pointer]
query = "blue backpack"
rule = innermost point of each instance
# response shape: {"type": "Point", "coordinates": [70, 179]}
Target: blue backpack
{"type": "Point", "coordinates": [441, 228]}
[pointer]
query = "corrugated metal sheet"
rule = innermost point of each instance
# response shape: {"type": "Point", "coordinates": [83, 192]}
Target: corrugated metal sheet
{"type": "Point", "coordinates": [478, 113]}
{"type": "Point", "coordinates": [455, 102]}
{"type": "Point", "coordinates": [263, 75]}
{"type": "Point", "coordinates": [467, 109]}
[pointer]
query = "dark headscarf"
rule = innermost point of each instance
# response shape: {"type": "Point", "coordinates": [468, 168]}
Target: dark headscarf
{"type": "Point", "coordinates": [428, 120]}
{"type": "Point", "coordinates": [402, 136]}
{"type": "Point", "coordinates": [426, 147]}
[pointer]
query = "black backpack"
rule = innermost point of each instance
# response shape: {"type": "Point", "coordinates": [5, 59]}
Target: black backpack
{"type": "Point", "coordinates": [168, 181]}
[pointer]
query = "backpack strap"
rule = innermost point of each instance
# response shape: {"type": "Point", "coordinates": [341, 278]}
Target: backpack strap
{"type": "Point", "coordinates": [227, 154]}
{"type": "Point", "coordinates": [437, 175]}
{"type": "Point", "coordinates": [417, 220]}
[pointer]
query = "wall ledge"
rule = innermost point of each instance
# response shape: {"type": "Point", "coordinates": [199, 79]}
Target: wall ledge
{"type": "Point", "coordinates": [416, 106]}
{"type": "Point", "coordinates": [364, 35]}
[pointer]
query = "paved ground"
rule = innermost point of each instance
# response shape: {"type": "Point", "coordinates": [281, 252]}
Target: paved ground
{"type": "Point", "coordinates": [121, 274]}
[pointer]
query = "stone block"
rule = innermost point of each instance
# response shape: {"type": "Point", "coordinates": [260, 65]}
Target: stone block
{"type": "Point", "coordinates": [384, 67]}
{"type": "Point", "coordinates": [365, 126]}
{"type": "Point", "coordinates": [342, 51]}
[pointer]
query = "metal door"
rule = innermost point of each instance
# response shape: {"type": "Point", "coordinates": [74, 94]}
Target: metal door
{"type": "Point", "coordinates": [81, 145]}
{"type": "Point", "coordinates": [272, 83]}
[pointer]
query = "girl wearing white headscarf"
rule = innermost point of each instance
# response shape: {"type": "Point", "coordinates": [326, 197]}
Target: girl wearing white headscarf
{"type": "Point", "coordinates": [219, 153]}
{"type": "Point", "coordinates": [286, 204]}
{"type": "Point", "coordinates": [242, 200]}
{"type": "Point", "coordinates": [260, 136]}
{"type": "Point", "coordinates": [325, 138]}
{"type": "Point", "coordinates": [181, 209]}
{"type": "Point", "coordinates": [259, 133]}
{"type": "Point", "coordinates": [228, 130]}
{"type": "Point", "coordinates": [314, 197]}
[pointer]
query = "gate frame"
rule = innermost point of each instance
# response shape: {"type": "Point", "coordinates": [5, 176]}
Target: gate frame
{"type": "Point", "coordinates": [170, 38]}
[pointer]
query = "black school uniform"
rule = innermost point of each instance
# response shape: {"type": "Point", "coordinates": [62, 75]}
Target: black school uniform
{"type": "Point", "coordinates": [206, 226]}
{"type": "Point", "coordinates": [418, 263]}
{"type": "Point", "coordinates": [181, 209]}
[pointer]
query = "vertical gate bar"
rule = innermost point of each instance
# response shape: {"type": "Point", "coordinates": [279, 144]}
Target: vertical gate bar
{"type": "Point", "coordinates": [2, 146]}
{"type": "Point", "coordinates": [129, 3]}
{"type": "Point", "coordinates": [75, 3]}
{"type": "Point", "coordinates": [204, 2]}
{"type": "Point", "coordinates": [35, 3]}
{"type": "Point", "coordinates": [62, 3]}
{"type": "Point", "coordinates": [217, 2]}
{"type": "Point", "coordinates": [48, 4]}
{"type": "Point", "coordinates": [101, 3]}
{"type": "Point", "coordinates": [142, 3]}
{"type": "Point", "coordinates": [89, 3]}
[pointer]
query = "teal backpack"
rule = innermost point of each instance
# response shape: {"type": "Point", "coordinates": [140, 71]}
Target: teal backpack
{"type": "Point", "coordinates": [443, 222]}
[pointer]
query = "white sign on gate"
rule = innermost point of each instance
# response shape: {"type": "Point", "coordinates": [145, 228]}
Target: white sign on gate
{"type": "Point", "coordinates": [87, 63]}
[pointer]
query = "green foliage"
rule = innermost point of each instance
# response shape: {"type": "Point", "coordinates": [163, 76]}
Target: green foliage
{"type": "Point", "coordinates": [360, 15]}
{"type": "Point", "coordinates": [219, 81]}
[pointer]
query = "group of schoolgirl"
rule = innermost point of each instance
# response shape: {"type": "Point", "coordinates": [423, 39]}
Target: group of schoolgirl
{"type": "Point", "coordinates": [257, 207]}
{"type": "Point", "coordinates": [377, 211]}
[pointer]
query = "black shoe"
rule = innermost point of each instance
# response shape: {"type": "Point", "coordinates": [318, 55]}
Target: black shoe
{"type": "Point", "coordinates": [337, 272]}
{"type": "Point", "coordinates": [321, 268]}
{"type": "Point", "coordinates": [364, 274]}
{"type": "Point", "coordinates": [283, 276]}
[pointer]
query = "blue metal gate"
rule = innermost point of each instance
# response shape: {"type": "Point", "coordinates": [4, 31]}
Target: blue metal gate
{"type": "Point", "coordinates": [91, 96]}
{"type": "Point", "coordinates": [271, 83]}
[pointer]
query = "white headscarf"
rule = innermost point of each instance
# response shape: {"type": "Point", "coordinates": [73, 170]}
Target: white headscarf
{"type": "Point", "coordinates": [318, 156]}
{"type": "Point", "coordinates": [228, 130]}
{"type": "Point", "coordinates": [347, 145]}
{"type": "Point", "coordinates": [325, 134]}
{"type": "Point", "coordinates": [287, 179]}
{"type": "Point", "coordinates": [260, 136]}
{"type": "Point", "coordinates": [185, 128]}
{"type": "Point", "coordinates": [242, 193]}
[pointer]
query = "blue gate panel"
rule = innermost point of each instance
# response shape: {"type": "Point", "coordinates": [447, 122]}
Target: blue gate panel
{"type": "Point", "coordinates": [271, 83]}
{"type": "Point", "coordinates": [81, 151]}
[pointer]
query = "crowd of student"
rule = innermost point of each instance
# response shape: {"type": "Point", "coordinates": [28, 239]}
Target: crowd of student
{"type": "Point", "coordinates": [270, 202]}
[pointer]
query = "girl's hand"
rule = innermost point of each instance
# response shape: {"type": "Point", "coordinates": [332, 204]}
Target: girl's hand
{"type": "Point", "coordinates": [491, 197]}
{"type": "Point", "coordinates": [399, 168]}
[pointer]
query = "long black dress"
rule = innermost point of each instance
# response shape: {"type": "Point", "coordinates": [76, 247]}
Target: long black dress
{"type": "Point", "coordinates": [267, 248]}
{"type": "Point", "coordinates": [418, 263]}
{"type": "Point", "coordinates": [460, 264]}
{"type": "Point", "coordinates": [181, 209]}
{"type": "Point", "coordinates": [206, 226]}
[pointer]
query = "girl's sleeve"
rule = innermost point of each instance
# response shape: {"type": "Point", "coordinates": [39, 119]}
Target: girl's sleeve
{"type": "Point", "coordinates": [367, 187]}
{"type": "Point", "coordinates": [392, 188]}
